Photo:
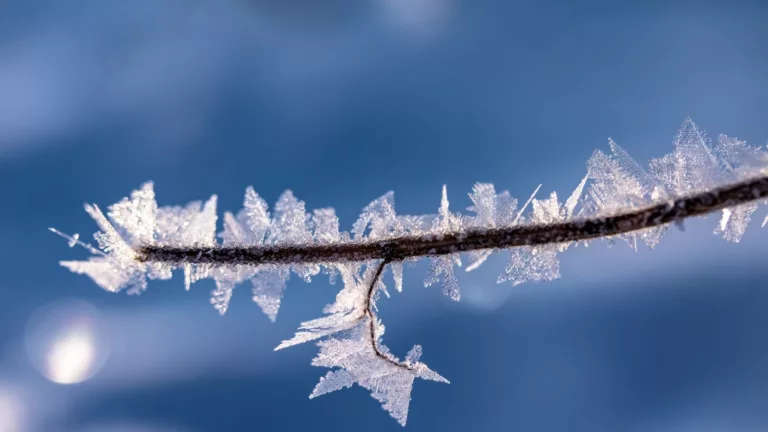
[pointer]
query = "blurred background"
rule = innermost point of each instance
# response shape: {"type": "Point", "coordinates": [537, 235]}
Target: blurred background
{"type": "Point", "coordinates": [342, 101]}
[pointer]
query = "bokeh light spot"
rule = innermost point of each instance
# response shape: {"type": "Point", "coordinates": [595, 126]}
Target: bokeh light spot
{"type": "Point", "coordinates": [64, 342]}
{"type": "Point", "coordinates": [11, 411]}
{"type": "Point", "coordinates": [71, 357]}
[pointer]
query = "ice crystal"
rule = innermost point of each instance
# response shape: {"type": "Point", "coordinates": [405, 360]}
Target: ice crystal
{"type": "Point", "coordinates": [531, 264]}
{"type": "Point", "coordinates": [389, 380]}
{"type": "Point", "coordinates": [737, 160]}
{"type": "Point", "coordinates": [378, 219]}
{"type": "Point", "coordinates": [442, 267]}
{"type": "Point", "coordinates": [248, 228]}
{"type": "Point", "coordinates": [540, 263]}
{"type": "Point", "coordinates": [691, 166]}
{"type": "Point", "coordinates": [619, 183]}
{"type": "Point", "coordinates": [138, 221]}
{"type": "Point", "coordinates": [397, 275]}
{"type": "Point", "coordinates": [326, 226]}
{"type": "Point", "coordinates": [107, 273]}
{"type": "Point", "coordinates": [491, 210]}
{"type": "Point", "coordinates": [268, 286]}
{"type": "Point", "coordinates": [137, 215]}
{"type": "Point", "coordinates": [251, 224]}
{"type": "Point", "coordinates": [694, 166]}
{"type": "Point", "coordinates": [291, 225]}
{"type": "Point", "coordinates": [344, 313]}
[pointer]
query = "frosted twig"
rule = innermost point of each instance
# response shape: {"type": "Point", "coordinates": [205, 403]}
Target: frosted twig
{"type": "Point", "coordinates": [405, 247]}
{"type": "Point", "coordinates": [140, 241]}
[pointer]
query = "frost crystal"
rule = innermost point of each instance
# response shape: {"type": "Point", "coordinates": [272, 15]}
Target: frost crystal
{"type": "Point", "coordinates": [326, 226]}
{"type": "Point", "coordinates": [695, 166]}
{"type": "Point", "coordinates": [378, 219]}
{"type": "Point", "coordinates": [248, 228]}
{"type": "Point", "coordinates": [540, 263]}
{"type": "Point", "coordinates": [737, 161]}
{"type": "Point", "coordinates": [135, 228]}
{"type": "Point", "coordinates": [441, 269]}
{"type": "Point", "coordinates": [619, 183]}
{"type": "Point", "coordinates": [691, 166]}
{"type": "Point", "coordinates": [251, 223]}
{"type": "Point", "coordinates": [345, 313]}
{"type": "Point", "coordinates": [531, 264]}
{"type": "Point", "coordinates": [389, 380]}
{"type": "Point", "coordinates": [107, 274]}
{"type": "Point", "coordinates": [290, 226]}
{"type": "Point", "coordinates": [253, 226]}
{"type": "Point", "coordinates": [137, 221]}
{"type": "Point", "coordinates": [442, 266]}
{"type": "Point", "coordinates": [137, 215]}
{"type": "Point", "coordinates": [268, 286]}
{"type": "Point", "coordinates": [397, 275]}
{"type": "Point", "coordinates": [491, 210]}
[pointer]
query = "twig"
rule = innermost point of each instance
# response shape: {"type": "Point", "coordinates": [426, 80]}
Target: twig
{"type": "Point", "coordinates": [372, 317]}
{"type": "Point", "coordinates": [406, 247]}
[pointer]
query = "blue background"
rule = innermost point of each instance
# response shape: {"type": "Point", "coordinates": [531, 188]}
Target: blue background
{"type": "Point", "coordinates": [341, 101]}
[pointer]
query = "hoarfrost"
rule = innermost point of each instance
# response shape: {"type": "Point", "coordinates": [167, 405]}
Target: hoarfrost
{"type": "Point", "coordinates": [491, 210]}
{"type": "Point", "coordinates": [441, 268]}
{"type": "Point", "coordinates": [350, 332]}
{"type": "Point", "coordinates": [389, 380]}
{"type": "Point", "coordinates": [345, 313]}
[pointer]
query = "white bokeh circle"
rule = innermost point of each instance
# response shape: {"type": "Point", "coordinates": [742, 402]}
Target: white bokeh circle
{"type": "Point", "coordinates": [65, 341]}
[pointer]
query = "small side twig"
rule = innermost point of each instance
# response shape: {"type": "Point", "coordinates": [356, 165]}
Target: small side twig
{"type": "Point", "coordinates": [369, 312]}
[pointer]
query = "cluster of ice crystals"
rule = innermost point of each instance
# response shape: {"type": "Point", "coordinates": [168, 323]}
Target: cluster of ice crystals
{"type": "Point", "coordinates": [251, 224]}
{"type": "Point", "coordinates": [268, 286]}
{"type": "Point", "coordinates": [540, 263]}
{"type": "Point", "coordinates": [198, 229]}
{"type": "Point", "coordinates": [326, 226]}
{"type": "Point", "coordinates": [695, 166]}
{"type": "Point", "coordinates": [692, 166]}
{"type": "Point", "coordinates": [531, 264]}
{"type": "Point", "coordinates": [442, 267]}
{"type": "Point", "coordinates": [737, 161]}
{"type": "Point", "coordinates": [389, 380]}
{"type": "Point", "coordinates": [618, 183]}
{"type": "Point", "coordinates": [136, 215]}
{"type": "Point", "coordinates": [352, 344]}
{"type": "Point", "coordinates": [614, 183]}
{"type": "Point", "coordinates": [290, 224]}
{"type": "Point", "coordinates": [138, 221]}
{"type": "Point", "coordinates": [378, 220]}
{"type": "Point", "coordinates": [247, 228]}
{"type": "Point", "coordinates": [491, 210]}
{"type": "Point", "coordinates": [348, 309]}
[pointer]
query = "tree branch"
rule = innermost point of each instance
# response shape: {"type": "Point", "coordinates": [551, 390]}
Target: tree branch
{"type": "Point", "coordinates": [405, 247]}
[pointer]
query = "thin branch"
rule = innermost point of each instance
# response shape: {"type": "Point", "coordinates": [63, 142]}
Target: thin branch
{"type": "Point", "coordinates": [369, 312]}
{"type": "Point", "coordinates": [406, 247]}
